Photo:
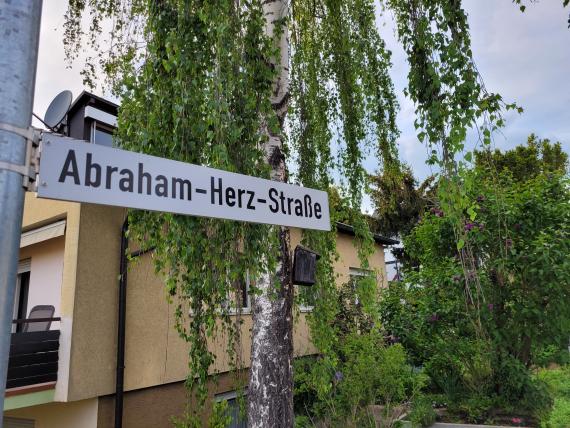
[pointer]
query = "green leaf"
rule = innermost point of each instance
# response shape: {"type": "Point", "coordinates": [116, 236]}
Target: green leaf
{"type": "Point", "coordinates": [460, 244]}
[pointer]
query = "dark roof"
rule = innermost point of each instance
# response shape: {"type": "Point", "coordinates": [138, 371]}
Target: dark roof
{"type": "Point", "coordinates": [349, 230]}
{"type": "Point", "coordinates": [87, 98]}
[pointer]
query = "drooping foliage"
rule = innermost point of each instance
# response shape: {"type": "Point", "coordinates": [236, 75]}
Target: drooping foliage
{"type": "Point", "coordinates": [201, 95]}
{"type": "Point", "coordinates": [343, 106]}
{"type": "Point", "coordinates": [195, 79]}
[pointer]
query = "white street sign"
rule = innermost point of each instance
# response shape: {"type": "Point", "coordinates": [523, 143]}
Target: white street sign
{"type": "Point", "coordinates": [78, 171]}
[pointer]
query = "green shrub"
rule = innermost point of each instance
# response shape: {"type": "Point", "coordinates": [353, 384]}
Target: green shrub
{"type": "Point", "coordinates": [422, 414]}
{"type": "Point", "coordinates": [551, 354]}
{"type": "Point", "coordinates": [560, 415]}
{"type": "Point", "coordinates": [557, 382]}
{"type": "Point", "coordinates": [484, 300]}
{"type": "Point", "coordinates": [367, 373]}
{"type": "Point", "coordinates": [473, 408]}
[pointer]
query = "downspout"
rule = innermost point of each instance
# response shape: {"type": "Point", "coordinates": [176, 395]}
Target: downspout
{"type": "Point", "coordinates": [120, 376]}
{"type": "Point", "coordinates": [121, 325]}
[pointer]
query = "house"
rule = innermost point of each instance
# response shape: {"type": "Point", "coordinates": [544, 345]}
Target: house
{"type": "Point", "coordinates": [64, 369]}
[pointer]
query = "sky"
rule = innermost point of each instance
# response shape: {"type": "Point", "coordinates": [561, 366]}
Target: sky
{"type": "Point", "coordinates": [523, 56]}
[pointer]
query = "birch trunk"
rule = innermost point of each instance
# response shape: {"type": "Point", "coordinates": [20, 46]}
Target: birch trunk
{"type": "Point", "coordinates": [270, 391]}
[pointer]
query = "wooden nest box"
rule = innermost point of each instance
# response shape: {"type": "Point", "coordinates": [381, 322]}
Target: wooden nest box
{"type": "Point", "coordinates": [304, 266]}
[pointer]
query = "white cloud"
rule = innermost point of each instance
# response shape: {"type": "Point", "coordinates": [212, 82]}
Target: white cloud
{"type": "Point", "coordinates": [52, 75]}
{"type": "Point", "coordinates": [525, 57]}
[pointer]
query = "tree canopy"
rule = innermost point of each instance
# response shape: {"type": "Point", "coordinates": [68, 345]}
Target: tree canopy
{"type": "Point", "coordinates": [478, 330]}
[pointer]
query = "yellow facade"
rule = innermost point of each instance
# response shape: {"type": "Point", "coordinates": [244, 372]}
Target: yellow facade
{"type": "Point", "coordinates": [155, 355]}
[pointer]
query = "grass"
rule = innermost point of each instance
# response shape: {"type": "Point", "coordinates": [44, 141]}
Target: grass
{"type": "Point", "coordinates": [558, 382]}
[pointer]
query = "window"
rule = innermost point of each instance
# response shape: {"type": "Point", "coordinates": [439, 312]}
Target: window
{"type": "Point", "coordinates": [355, 275]}
{"type": "Point", "coordinates": [17, 422]}
{"type": "Point", "coordinates": [244, 297]}
{"type": "Point", "coordinates": [21, 294]}
{"type": "Point", "coordinates": [101, 135]}
{"type": "Point", "coordinates": [393, 270]}
{"type": "Point", "coordinates": [239, 419]}
{"type": "Point", "coordinates": [306, 297]}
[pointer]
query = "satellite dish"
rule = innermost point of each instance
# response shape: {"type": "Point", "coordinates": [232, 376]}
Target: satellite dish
{"type": "Point", "coordinates": [57, 109]}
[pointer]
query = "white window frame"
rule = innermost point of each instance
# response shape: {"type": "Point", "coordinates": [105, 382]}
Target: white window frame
{"type": "Point", "coordinates": [101, 125]}
{"type": "Point", "coordinates": [231, 299]}
{"type": "Point", "coordinates": [359, 273]}
{"type": "Point", "coordinates": [305, 308]}
{"type": "Point", "coordinates": [24, 266]}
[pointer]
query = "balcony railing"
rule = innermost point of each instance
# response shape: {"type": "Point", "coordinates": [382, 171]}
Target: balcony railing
{"type": "Point", "coordinates": [33, 356]}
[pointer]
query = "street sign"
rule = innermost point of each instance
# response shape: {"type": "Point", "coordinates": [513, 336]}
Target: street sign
{"type": "Point", "coordinates": [74, 170]}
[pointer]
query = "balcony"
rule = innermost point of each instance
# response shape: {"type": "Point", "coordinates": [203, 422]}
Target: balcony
{"type": "Point", "coordinates": [33, 355]}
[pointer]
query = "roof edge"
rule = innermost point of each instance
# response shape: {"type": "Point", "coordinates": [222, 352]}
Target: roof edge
{"type": "Point", "coordinates": [349, 230]}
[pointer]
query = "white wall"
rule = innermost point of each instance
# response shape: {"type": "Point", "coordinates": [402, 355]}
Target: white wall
{"type": "Point", "coordinates": [46, 274]}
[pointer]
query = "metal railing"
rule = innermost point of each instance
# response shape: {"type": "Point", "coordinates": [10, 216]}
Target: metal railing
{"type": "Point", "coordinates": [33, 355]}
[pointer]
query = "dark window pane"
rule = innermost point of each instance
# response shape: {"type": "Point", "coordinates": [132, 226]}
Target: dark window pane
{"type": "Point", "coordinates": [23, 298]}
{"type": "Point", "coordinates": [103, 137]}
{"type": "Point", "coordinates": [233, 410]}
{"type": "Point", "coordinates": [243, 291]}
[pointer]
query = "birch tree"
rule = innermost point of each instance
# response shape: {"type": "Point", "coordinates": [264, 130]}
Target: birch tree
{"type": "Point", "coordinates": [270, 391]}
{"type": "Point", "coordinates": [210, 83]}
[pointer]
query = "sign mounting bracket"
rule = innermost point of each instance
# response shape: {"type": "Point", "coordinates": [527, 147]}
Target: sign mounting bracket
{"type": "Point", "coordinates": [30, 168]}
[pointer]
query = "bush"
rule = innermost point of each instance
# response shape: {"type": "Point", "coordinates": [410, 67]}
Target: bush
{"type": "Point", "coordinates": [367, 373]}
{"type": "Point", "coordinates": [551, 354]}
{"type": "Point", "coordinates": [422, 414]}
{"type": "Point", "coordinates": [558, 383]}
{"type": "Point", "coordinates": [485, 296]}
{"type": "Point", "coordinates": [560, 415]}
{"type": "Point", "coordinates": [556, 380]}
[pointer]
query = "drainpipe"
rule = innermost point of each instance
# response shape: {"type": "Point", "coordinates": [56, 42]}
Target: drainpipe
{"type": "Point", "coordinates": [120, 377]}
{"type": "Point", "coordinates": [121, 326]}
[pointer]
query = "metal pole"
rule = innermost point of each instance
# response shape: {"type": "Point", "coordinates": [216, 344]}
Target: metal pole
{"type": "Point", "coordinates": [19, 39]}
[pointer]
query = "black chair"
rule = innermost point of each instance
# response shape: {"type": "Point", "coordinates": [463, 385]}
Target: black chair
{"type": "Point", "coordinates": [39, 311]}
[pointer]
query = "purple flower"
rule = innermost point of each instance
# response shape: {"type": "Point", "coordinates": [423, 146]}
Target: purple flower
{"type": "Point", "coordinates": [490, 306]}
{"type": "Point", "coordinates": [508, 243]}
{"type": "Point", "coordinates": [480, 198]}
{"type": "Point", "coordinates": [437, 212]}
{"type": "Point", "coordinates": [338, 376]}
{"type": "Point", "coordinates": [469, 226]}
{"type": "Point", "coordinates": [434, 318]}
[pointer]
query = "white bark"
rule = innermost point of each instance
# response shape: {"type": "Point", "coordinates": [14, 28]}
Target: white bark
{"type": "Point", "coordinates": [270, 391]}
